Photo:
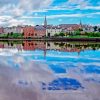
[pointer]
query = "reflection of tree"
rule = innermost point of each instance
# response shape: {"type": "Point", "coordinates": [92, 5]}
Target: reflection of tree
{"type": "Point", "coordinates": [55, 43]}
{"type": "Point", "coordinates": [61, 44]}
{"type": "Point", "coordinates": [78, 46]}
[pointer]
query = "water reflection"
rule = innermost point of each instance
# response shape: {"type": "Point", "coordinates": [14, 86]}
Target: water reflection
{"type": "Point", "coordinates": [62, 84]}
{"type": "Point", "coordinates": [61, 46]}
{"type": "Point", "coordinates": [35, 70]}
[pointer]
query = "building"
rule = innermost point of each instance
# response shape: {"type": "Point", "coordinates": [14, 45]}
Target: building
{"type": "Point", "coordinates": [14, 29]}
{"type": "Point", "coordinates": [45, 22]}
{"type": "Point", "coordinates": [70, 28]}
{"type": "Point", "coordinates": [28, 31]}
{"type": "Point", "coordinates": [88, 28]}
{"type": "Point", "coordinates": [1, 30]}
{"type": "Point", "coordinates": [68, 25]}
{"type": "Point", "coordinates": [19, 29]}
{"type": "Point", "coordinates": [39, 31]}
{"type": "Point", "coordinates": [52, 30]}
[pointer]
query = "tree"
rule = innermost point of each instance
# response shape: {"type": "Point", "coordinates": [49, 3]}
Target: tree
{"type": "Point", "coordinates": [99, 29]}
{"type": "Point", "coordinates": [95, 28]}
{"type": "Point", "coordinates": [61, 34]}
{"type": "Point", "coordinates": [61, 44]}
{"type": "Point", "coordinates": [77, 32]}
{"type": "Point", "coordinates": [80, 29]}
{"type": "Point", "coordinates": [11, 33]}
{"type": "Point", "coordinates": [56, 35]}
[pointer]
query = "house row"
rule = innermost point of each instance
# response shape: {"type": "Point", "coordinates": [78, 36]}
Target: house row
{"type": "Point", "coordinates": [14, 29]}
{"type": "Point", "coordinates": [47, 30]}
{"type": "Point", "coordinates": [33, 31]}
{"type": "Point", "coordinates": [50, 30]}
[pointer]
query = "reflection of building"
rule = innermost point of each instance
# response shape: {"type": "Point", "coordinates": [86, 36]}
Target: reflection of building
{"type": "Point", "coordinates": [59, 46]}
{"type": "Point", "coordinates": [28, 31]}
{"type": "Point", "coordinates": [28, 45]}
{"type": "Point", "coordinates": [39, 31]}
{"type": "Point", "coordinates": [62, 47]}
{"type": "Point", "coordinates": [52, 46]}
{"type": "Point", "coordinates": [40, 45]}
{"type": "Point", "coordinates": [32, 45]}
{"type": "Point", "coordinates": [13, 46]}
{"type": "Point", "coordinates": [1, 45]}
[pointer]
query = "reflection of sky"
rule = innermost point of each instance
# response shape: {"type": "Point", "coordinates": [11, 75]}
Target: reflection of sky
{"type": "Point", "coordinates": [51, 71]}
{"type": "Point", "coordinates": [62, 84]}
{"type": "Point", "coordinates": [58, 62]}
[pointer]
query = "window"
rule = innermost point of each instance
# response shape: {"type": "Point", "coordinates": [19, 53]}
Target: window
{"type": "Point", "coordinates": [35, 34]}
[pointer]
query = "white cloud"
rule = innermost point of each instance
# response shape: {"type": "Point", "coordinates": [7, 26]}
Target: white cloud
{"type": "Point", "coordinates": [92, 7]}
{"type": "Point", "coordinates": [17, 8]}
{"type": "Point", "coordinates": [10, 21]}
{"type": "Point", "coordinates": [54, 16]}
{"type": "Point", "coordinates": [34, 4]}
{"type": "Point", "coordinates": [81, 3]}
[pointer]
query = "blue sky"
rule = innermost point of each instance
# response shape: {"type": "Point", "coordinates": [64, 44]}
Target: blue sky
{"type": "Point", "coordinates": [32, 12]}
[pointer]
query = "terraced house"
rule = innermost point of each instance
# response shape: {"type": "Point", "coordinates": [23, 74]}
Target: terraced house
{"type": "Point", "coordinates": [1, 30]}
{"type": "Point", "coordinates": [14, 29]}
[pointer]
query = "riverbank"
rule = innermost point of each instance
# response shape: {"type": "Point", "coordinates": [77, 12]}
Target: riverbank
{"type": "Point", "coordinates": [52, 39]}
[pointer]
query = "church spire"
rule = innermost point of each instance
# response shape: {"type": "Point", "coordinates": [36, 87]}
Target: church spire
{"type": "Point", "coordinates": [45, 22]}
{"type": "Point", "coordinates": [81, 23]}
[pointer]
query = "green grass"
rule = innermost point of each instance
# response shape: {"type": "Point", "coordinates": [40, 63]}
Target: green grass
{"type": "Point", "coordinates": [14, 35]}
{"type": "Point", "coordinates": [79, 36]}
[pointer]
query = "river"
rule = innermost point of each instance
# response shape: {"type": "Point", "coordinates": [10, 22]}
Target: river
{"type": "Point", "coordinates": [34, 70]}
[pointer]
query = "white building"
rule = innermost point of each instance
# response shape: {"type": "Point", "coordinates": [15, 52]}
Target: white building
{"type": "Point", "coordinates": [13, 29]}
{"type": "Point", "coordinates": [87, 28]}
{"type": "Point", "coordinates": [51, 31]}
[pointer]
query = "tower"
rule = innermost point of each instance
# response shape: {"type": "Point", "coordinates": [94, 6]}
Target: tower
{"type": "Point", "coordinates": [81, 24]}
{"type": "Point", "coordinates": [45, 22]}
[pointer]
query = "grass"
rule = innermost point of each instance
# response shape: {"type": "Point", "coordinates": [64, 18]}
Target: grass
{"type": "Point", "coordinates": [79, 36]}
{"type": "Point", "coordinates": [14, 35]}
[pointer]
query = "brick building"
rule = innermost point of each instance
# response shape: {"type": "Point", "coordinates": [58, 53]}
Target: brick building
{"type": "Point", "coordinates": [28, 31]}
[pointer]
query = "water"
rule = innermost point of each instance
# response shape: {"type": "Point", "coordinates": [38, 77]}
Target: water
{"type": "Point", "coordinates": [31, 70]}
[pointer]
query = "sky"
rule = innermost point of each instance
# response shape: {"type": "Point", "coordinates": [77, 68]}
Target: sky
{"type": "Point", "coordinates": [32, 12]}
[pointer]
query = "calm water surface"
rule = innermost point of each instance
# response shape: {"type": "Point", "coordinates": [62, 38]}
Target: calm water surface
{"type": "Point", "coordinates": [32, 70]}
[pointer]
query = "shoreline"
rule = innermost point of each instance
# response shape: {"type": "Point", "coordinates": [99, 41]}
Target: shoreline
{"type": "Point", "coordinates": [52, 39]}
